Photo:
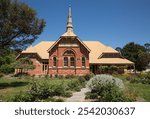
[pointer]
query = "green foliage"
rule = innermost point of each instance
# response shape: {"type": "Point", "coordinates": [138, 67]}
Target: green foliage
{"type": "Point", "coordinates": [108, 69]}
{"type": "Point", "coordinates": [46, 90]}
{"type": "Point", "coordinates": [74, 85]}
{"type": "Point", "coordinates": [147, 47]}
{"type": "Point", "coordinates": [136, 53]}
{"type": "Point", "coordinates": [107, 88]}
{"type": "Point", "coordinates": [87, 77]}
{"type": "Point", "coordinates": [104, 80]}
{"type": "Point", "coordinates": [6, 63]}
{"type": "Point", "coordinates": [7, 69]}
{"type": "Point", "coordinates": [1, 75]}
{"type": "Point", "coordinates": [24, 63]}
{"type": "Point", "coordinates": [23, 97]}
{"type": "Point", "coordinates": [69, 76]}
{"type": "Point", "coordinates": [19, 25]}
{"type": "Point", "coordinates": [82, 81]}
{"type": "Point", "coordinates": [143, 78]}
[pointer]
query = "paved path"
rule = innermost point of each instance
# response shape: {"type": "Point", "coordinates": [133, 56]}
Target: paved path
{"type": "Point", "coordinates": [78, 96]}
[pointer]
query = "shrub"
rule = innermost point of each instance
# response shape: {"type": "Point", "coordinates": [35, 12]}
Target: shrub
{"type": "Point", "coordinates": [143, 78]}
{"type": "Point", "coordinates": [47, 76]}
{"type": "Point", "coordinates": [82, 81]}
{"type": "Point", "coordinates": [7, 68]}
{"type": "Point", "coordinates": [58, 90]}
{"type": "Point", "coordinates": [21, 74]}
{"type": "Point", "coordinates": [60, 77]}
{"type": "Point", "coordinates": [74, 85]}
{"type": "Point", "coordinates": [90, 95]}
{"type": "Point", "coordinates": [104, 80]}
{"type": "Point", "coordinates": [67, 94]}
{"type": "Point", "coordinates": [88, 76]}
{"type": "Point", "coordinates": [1, 75]}
{"type": "Point", "coordinates": [69, 76]}
{"type": "Point", "coordinates": [23, 97]}
{"type": "Point", "coordinates": [107, 88]}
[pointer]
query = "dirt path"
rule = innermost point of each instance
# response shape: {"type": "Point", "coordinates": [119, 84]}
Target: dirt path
{"type": "Point", "coordinates": [78, 96]}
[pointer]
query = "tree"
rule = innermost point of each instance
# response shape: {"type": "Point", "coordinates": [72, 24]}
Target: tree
{"type": "Point", "coordinates": [137, 54]}
{"type": "Point", "coordinates": [119, 49]}
{"type": "Point", "coordinates": [19, 25]}
{"type": "Point", "coordinates": [24, 64]}
{"type": "Point", "coordinates": [6, 63]}
{"type": "Point", "coordinates": [147, 46]}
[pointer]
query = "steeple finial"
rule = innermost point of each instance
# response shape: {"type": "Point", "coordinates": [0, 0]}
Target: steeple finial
{"type": "Point", "coordinates": [69, 23]}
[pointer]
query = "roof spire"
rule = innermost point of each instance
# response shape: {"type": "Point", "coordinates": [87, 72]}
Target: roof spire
{"type": "Point", "coordinates": [69, 23]}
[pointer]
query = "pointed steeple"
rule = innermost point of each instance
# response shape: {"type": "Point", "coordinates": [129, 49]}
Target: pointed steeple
{"type": "Point", "coordinates": [69, 27]}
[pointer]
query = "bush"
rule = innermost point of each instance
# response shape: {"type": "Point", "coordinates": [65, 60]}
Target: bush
{"type": "Point", "coordinates": [143, 78]}
{"type": "Point", "coordinates": [7, 68]}
{"type": "Point", "coordinates": [87, 77]}
{"type": "Point", "coordinates": [21, 75]}
{"type": "Point", "coordinates": [60, 77]}
{"type": "Point", "coordinates": [1, 75]}
{"type": "Point", "coordinates": [47, 77]}
{"type": "Point", "coordinates": [82, 81]}
{"type": "Point", "coordinates": [90, 95]}
{"type": "Point", "coordinates": [107, 88]}
{"type": "Point", "coordinates": [74, 85]}
{"type": "Point", "coordinates": [69, 76]}
{"type": "Point", "coordinates": [104, 80]}
{"type": "Point", "coordinates": [23, 97]}
{"type": "Point", "coordinates": [111, 69]}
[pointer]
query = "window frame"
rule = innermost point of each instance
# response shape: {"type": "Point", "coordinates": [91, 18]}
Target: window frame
{"type": "Point", "coordinates": [54, 61]}
{"type": "Point", "coordinates": [66, 62]}
{"type": "Point", "coordinates": [83, 61]}
{"type": "Point", "coordinates": [72, 62]}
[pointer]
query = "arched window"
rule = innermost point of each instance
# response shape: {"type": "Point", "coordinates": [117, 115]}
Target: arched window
{"type": "Point", "coordinates": [83, 61]}
{"type": "Point", "coordinates": [72, 61]}
{"type": "Point", "coordinates": [65, 61]}
{"type": "Point", "coordinates": [54, 61]}
{"type": "Point", "coordinates": [69, 53]}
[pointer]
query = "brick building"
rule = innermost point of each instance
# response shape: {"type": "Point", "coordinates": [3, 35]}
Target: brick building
{"type": "Point", "coordinates": [71, 56]}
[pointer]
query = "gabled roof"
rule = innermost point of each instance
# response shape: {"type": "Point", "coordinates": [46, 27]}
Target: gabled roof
{"type": "Point", "coordinates": [30, 49]}
{"type": "Point", "coordinates": [96, 49]}
{"type": "Point", "coordinates": [69, 36]}
{"type": "Point", "coordinates": [109, 49]}
{"type": "Point", "coordinates": [40, 49]}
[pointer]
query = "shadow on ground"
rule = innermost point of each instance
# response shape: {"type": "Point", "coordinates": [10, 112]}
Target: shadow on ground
{"type": "Point", "coordinates": [13, 84]}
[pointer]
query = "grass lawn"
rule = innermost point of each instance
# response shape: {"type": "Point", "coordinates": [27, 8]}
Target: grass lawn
{"type": "Point", "coordinates": [141, 90]}
{"type": "Point", "coordinates": [10, 87]}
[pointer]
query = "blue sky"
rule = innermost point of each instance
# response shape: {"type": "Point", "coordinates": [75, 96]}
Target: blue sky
{"type": "Point", "coordinates": [112, 22]}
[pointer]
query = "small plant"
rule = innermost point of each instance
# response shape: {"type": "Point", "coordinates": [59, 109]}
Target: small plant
{"type": "Point", "coordinates": [47, 77]}
{"type": "Point", "coordinates": [88, 76]}
{"type": "Point", "coordinates": [74, 85]}
{"type": "Point", "coordinates": [60, 77]}
{"type": "Point", "coordinates": [82, 81]}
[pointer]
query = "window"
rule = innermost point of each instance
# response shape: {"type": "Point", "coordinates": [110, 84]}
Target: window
{"type": "Point", "coordinates": [83, 61]}
{"type": "Point", "coordinates": [72, 62]}
{"type": "Point", "coordinates": [69, 53]}
{"type": "Point", "coordinates": [65, 61]}
{"type": "Point", "coordinates": [45, 67]}
{"type": "Point", "coordinates": [54, 61]}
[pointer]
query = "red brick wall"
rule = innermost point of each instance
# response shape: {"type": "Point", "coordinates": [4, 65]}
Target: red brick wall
{"type": "Point", "coordinates": [78, 69]}
{"type": "Point", "coordinates": [38, 67]}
